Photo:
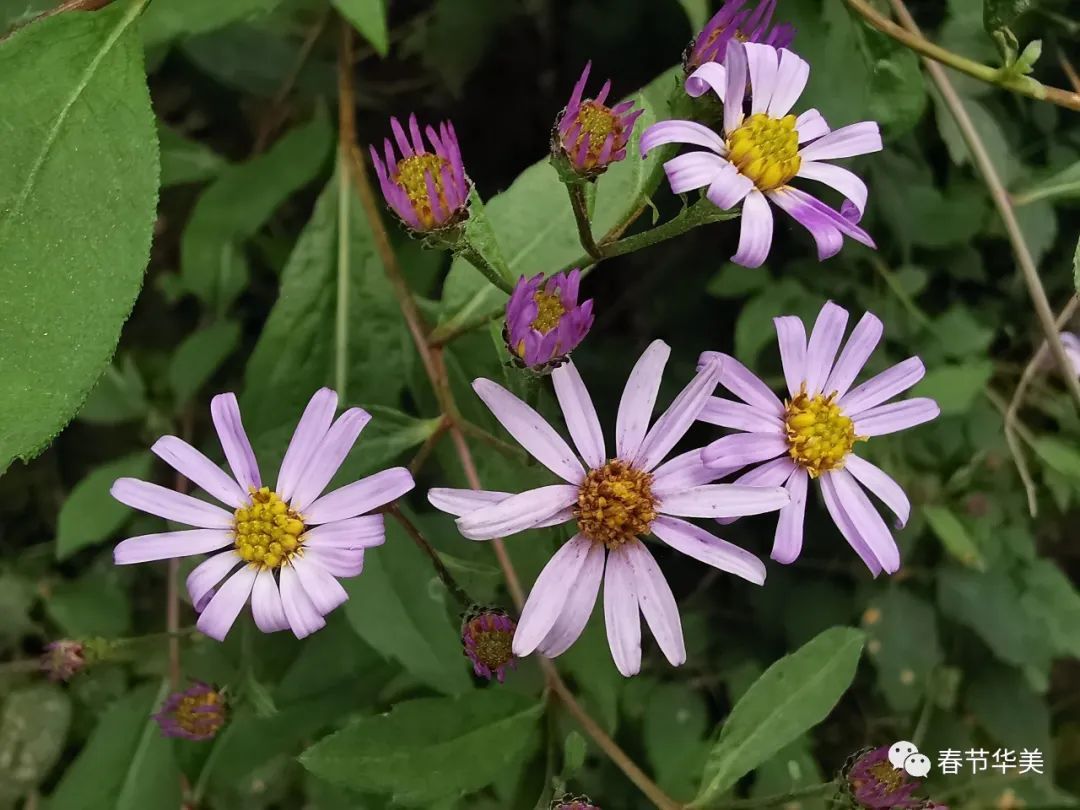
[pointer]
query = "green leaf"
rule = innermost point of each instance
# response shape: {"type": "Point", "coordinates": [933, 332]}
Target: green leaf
{"type": "Point", "coordinates": [574, 750]}
{"type": "Point", "coordinates": [1050, 598]}
{"type": "Point", "coordinates": [990, 131]}
{"type": "Point", "coordinates": [119, 396]}
{"type": "Point", "coordinates": [33, 728]}
{"type": "Point", "coordinates": [93, 605]}
{"type": "Point", "coordinates": [459, 745]}
{"type": "Point", "coordinates": [90, 514]}
{"type": "Point", "coordinates": [955, 387]}
{"type": "Point", "coordinates": [1058, 455]}
{"type": "Point", "coordinates": [166, 20]}
{"type": "Point", "coordinates": [673, 731]}
{"type": "Point", "coordinates": [793, 695]}
{"type": "Point", "coordinates": [234, 207]}
{"type": "Point", "coordinates": [184, 160]}
{"type": "Point", "coordinates": [369, 18]}
{"type": "Point", "coordinates": [1064, 185]}
{"type": "Point", "coordinates": [999, 14]}
{"type": "Point", "coordinates": [954, 536]}
{"type": "Point", "coordinates": [697, 12]}
{"type": "Point", "coordinates": [72, 262]}
{"type": "Point", "coordinates": [399, 608]}
{"type": "Point", "coordinates": [296, 351]}
{"type": "Point", "coordinates": [903, 644]}
{"type": "Point", "coordinates": [198, 356]}
{"type": "Point", "coordinates": [389, 434]}
{"type": "Point", "coordinates": [126, 764]}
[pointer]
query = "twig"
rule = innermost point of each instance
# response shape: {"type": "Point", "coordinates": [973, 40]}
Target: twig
{"type": "Point", "coordinates": [1001, 201]}
{"type": "Point", "coordinates": [911, 37]}
{"type": "Point", "coordinates": [70, 5]}
{"type": "Point", "coordinates": [1070, 71]}
{"type": "Point", "coordinates": [428, 446]}
{"type": "Point", "coordinates": [447, 578]}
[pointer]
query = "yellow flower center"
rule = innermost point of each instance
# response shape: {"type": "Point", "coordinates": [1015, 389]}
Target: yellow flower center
{"type": "Point", "coordinates": [886, 775]}
{"type": "Point", "coordinates": [597, 121]}
{"type": "Point", "coordinates": [268, 533]}
{"type": "Point", "coordinates": [819, 434]}
{"type": "Point", "coordinates": [766, 150]}
{"type": "Point", "coordinates": [192, 713]}
{"type": "Point", "coordinates": [549, 312]}
{"type": "Point", "coordinates": [412, 177]}
{"type": "Point", "coordinates": [615, 504]}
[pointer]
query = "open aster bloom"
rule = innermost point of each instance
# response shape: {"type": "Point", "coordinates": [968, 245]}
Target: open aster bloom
{"type": "Point", "coordinates": [613, 500]}
{"type": "Point", "coordinates": [759, 154]}
{"type": "Point", "coordinates": [877, 785]}
{"type": "Point", "coordinates": [591, 135]}
{"type": "Point", "coordinates": [544, 321]}
{"type": "Point", "coordinates": [1072, 348]}
{"type": "Point", "coordinates": [735, 21]}
{"type": "Point", "coordinates": [285, 547]}
{"type": "Point", "coordinates": [197, 713]}
{"type": "Point", "coordinates": [427, 190]}
{"type": "Point", "coordinates": [813, 434]}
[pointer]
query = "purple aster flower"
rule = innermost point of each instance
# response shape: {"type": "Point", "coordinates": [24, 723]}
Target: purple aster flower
{"type": "Point", "coordinates": [428, 190]}
{"type": "Point", "coordinates": [1072, 349]}
{"type": "Point", "coordinates": [197, 713]}
{"type": "Point", "coordinates": [877, 785]}
{"type": "Point", "coordinates": [761, 153]}
{"type": "Point", "coordinates": [544, 321]}
{"type": "Point", "coordinates": [573, 803]}
{"type": "Point", "coordinates": [286, 546]}
{"type": "Point", "coordinates": [591, 135]}
{"type": "Point", "coordinates": [735, 21]}
{"type": "Point", "coordinates": [813, 434]}
{"type": "Point", "coordinates": [613, 500]}
{"type": "Point", "coordinates": [486, 635]}
{"type": "Point", "coordinates": [63, 660]}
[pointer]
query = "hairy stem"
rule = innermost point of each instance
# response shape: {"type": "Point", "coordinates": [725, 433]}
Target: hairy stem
{"type": "Point", "coordinates": [581, 217]}
{"type": "Point", "coordinates": [489, 271]}
{"type": "Point", "coordinates": [700, 213]}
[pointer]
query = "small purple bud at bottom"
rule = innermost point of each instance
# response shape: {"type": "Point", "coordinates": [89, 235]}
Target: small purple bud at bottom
{"type": "Point", "coordinates": [63, 660]}
{"type": "Point", "coordinates": [487, 636]}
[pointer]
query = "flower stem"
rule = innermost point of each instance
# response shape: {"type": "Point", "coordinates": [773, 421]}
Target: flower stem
{"type": "Point", "coordinates": [702, 212]}
{"type": "Point", "coordinates": [581, 217]}
{"type": "Point", "coordinates": [473, 257]}
{"type": "Point", "coordinates": [459, 593]}
{"type": "Point", "coordinates": [346, 123]}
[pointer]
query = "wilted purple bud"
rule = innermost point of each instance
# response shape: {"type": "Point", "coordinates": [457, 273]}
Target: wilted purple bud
{"type": "Point", "coordinates": [574, 803]}
{"type": "Point", "coordinates": [745, 24]}
{"type": "Point", "coordinates": [197, 713]}
{"type": "Point", "coordinates": [63, 660]}
{"type": "Point", "coordinates": [487, 635]}
{"type": "Point", "coordinates": [590, 135]}
{"type": "Point", "coordinates": [544, 321]}
{"type": "Point", "coordinates": [427, 190]}
{"type": "Point", "coordinates": [877, 785]}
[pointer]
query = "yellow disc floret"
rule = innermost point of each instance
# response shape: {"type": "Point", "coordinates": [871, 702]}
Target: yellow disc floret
{"type": "Point", "coordinates": [549, 311]}
{"type": "Point", "coordinates": [412, 174]}
{"type": "Point", "coordinates": [268, 533]}
{"type": "Point", "coordinates": [766, 150]}
{"type": "Point", "coordinates": [819, 434]}
{"type": "Point", "coordinates": [201, 713]}
{"type": "Point", "coordinates": [615, 504]}
{"type": "Point", "coordinates": [598, 122]}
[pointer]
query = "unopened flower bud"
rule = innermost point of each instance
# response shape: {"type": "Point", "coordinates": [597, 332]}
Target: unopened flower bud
{"type": "Point", "coordinates": [544, 321]}
{"type": "Point", "coordinates": [589, 136]}
{"type": "Point", "coordinates": [197, 713]}
{"type": "Point", "coordinates": [574, 803]}
{"type": "Point", "coordinates": [63, 660]}
{"type": "Point", "coordinates": [487, 635]}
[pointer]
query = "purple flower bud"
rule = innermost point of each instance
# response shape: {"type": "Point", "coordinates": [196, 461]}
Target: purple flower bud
{"type": "Point", "coordinates": [734, 21]}
{"type": "Point", "coordinates": [487, 635]}
{"type": "Point", "coordinates": [544, 321]}
{"type": "Point", "coordinates": [197, 713]}
{"type": "Point", "coordinates": [590, 135]}
{"type": "Point", "coordinates": [877, 785]}
{"type": "Point", "coordinates": [63, 660]}
{"type": "Point", "coordinates": [428, 190]}
{"type": "Point", "coordinates": [574, 803]}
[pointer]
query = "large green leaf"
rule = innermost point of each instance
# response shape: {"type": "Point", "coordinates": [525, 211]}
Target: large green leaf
{"type": "Point", "coordinates": [33, 728]}
{"type": "Point", "coordinates": [903, 644]}
{"type": "Point", "coordinates": [198, 356]}
{"type": "Point", "coordinates": [430, 749]}
{"type": "Point", "coordinates": [90, 514]}
{"type": "Point", "coordinates": [793, 695]}
{"type": "Point", "coordinates": [78, 189]}
{"type": "Point", "coordinates": [1052, 600]}
{"type": "Point", "coordinates": [369, 18]}
{"type": "Point", "coordinates": [166, 20]}
{"type": "Point", "coordinates": [954, 535]}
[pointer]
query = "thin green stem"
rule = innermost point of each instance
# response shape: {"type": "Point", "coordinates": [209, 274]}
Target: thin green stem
{"type": "Point", "coordinates": [581, 217]}
{"type": "Point", "coordinates": [489, 271]}
{"type": "Point", "coordinates": [459, 593]}
{"type": "Point", "coordinates": [341, 320]}
{"type": "Point", "coordinates": [700, 213]}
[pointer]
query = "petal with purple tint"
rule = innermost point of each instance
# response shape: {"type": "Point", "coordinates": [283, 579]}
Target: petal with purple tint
{"type": "Point", "coordinates": [763, 62]}
{"type": "Point", "coordinates": [220, 614]}
{"type": "Point", "coordinates": [731, 414]}
{"type": "Point", "coordinates": [755, 232]}
{"type": "Point", "coordinates": [517, 513]}
{"type": "Point", "coordinates": [824, 342]}
{"type": "Point", "coordinates": [549, 595]}
{"type": "Point", "coordinates": [678, 418]}
{"type": "Point", "coordinates": [729, 187]}
{"type": "Point", "coordinates": [207, 574]}
{"type": "Point", "coordinates": [638, 400]}
{"type": "Point", "coordinates": [580, 414]}
{"type": "Point", "coordinates": [170, 504]}
{"type": "Point", "coordinates": [225, 413]}
{"type": "Point", "coordinates": [846, 182]}
{"type": "Point", "coordinates": [303, 617]}
{"type": "Point", "coordinates": [741, 449]}
{"type": "Point", "coordinates": [866, 520]}
{"type": "Point", "coordinates": [896, 416]}
{"type": "Point", "coordinates": [710, 76]}
{"type": "Point", "coordinates": [266, 606]}
{"type": "Point", "coordinates": [882, 485]}
{"type": "Point", "coordinates": [810, 125]}
{"type": "Point", "coordinates": [827, 238]}
{"type": "Point", "coordinates": [693, 170]}
{"type": "Point", "coordinates": [791, 77]}
{"type": "Point", "coordinates": [676, 131]}
{"type": "Point", "coordinates": [791, 337]}
{"type": "Point", "coordinates": [842, 223]}
{"type": "Point", "coordinates": [854, 139]}
{"type": "Point", "coordinates": [462, 501]}
{"type": "Point", "coordinates": [170, 545]}
{"type": "Point", "coordinates": [359, 532]}
{"type": "Point", "coordinates": [360, 496]}
{"type": "Point", "coordinates": [735, 63]}
{"type": "Point", "coordinates": [198, 469]}
{"type": "Point", "coordinates": [621, 616]}
{"type": "Point", "coordinates": [860, 345]}
{"type": "Point", "coordinates": [341, 562]}
{"type": "Point", "coordinates": [693, 541]}
{"type": "Point", "coordinates": [682, 472]}
{"type": "Point", "coordinates": [742, 382]}
{"type": "Point", "coordinates": [575, 612]}
{"type": "Point", "coordinates": [322, 589]}
{"type": "Point", "coordinates": [306, 439]}
{"type": "Point", "coordinates": [884, 386]}
{"type": "Point", "coordinates": [1071, 343]}
{"type": "Point", "coordinates": [530, 430]}
{"type": "Point", "coordinates": [656, 601]}
{"type": "Point", "coordinates": [843, 522]}
{"type": "Point", "coordinates": [787, 542]}
{"type": "Point", "coordinates": [770, 474]}
{"type": "Point", "coordinates": [328, 456]}
{"type": "Point", "coordinates": [401, 138]}
{"type": "Point", "coordinates": [723, 500]}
